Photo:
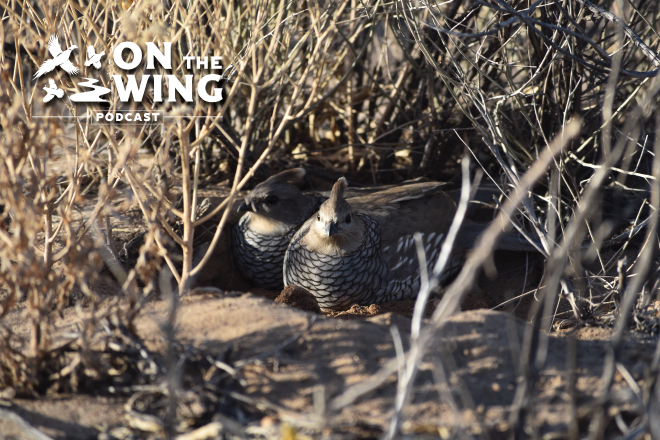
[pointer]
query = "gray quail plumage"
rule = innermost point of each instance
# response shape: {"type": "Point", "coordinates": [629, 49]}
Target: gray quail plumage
{"type": "Point", "coordinates": [274, 210]}
{"type": "Point", "coordinates": [362, 251]}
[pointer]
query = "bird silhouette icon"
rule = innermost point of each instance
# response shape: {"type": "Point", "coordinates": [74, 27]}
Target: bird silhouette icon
{"type": "Point", "coordinates": [52, 91]}
{"type": "Point", "coordinates": [93, 58]}
{"type": "Point", "coordinates": [60, 59]}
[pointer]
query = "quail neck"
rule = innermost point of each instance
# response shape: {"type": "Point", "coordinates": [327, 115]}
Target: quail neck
{"type": "Point", "coordinates": [335, 229]}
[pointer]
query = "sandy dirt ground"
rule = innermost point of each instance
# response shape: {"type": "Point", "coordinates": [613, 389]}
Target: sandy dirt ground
{"type": "Point", "coordinates": [341, 373]}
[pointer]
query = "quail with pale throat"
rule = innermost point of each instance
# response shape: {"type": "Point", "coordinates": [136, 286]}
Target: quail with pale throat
{"type": "Point", "coordinates": [274, 210]}
{"type": "Point", "coordinates": [362, 251]}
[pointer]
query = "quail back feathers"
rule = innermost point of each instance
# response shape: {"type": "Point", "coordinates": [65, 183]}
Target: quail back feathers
{"type": "Point", "coordinates": [274, 210]}
{"type": "Point", "coordinates": [362, 251]}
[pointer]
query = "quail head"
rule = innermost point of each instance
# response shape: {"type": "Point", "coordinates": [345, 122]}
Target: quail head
{"type": "Point", "coordinates": [362, 251]}
{"type": "Point", "coordinates": [274, 210]}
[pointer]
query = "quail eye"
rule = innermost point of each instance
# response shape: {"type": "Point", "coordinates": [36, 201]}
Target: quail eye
{"type": "Point", "coordinates": [348, 218]}
{"type": "Point", "coordinates": [318, 216]}
{"type": "Point", "coordinates": [271, 200]}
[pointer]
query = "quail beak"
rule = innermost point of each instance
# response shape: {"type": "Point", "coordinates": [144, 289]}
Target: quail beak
{"type": "Point", "coordinates": [247, 207]}
{"type": "Point", "coordinates": [331, 229]}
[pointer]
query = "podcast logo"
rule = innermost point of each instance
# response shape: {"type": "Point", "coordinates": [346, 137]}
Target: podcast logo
{"type": "Point", "coordinates": [126, 86]}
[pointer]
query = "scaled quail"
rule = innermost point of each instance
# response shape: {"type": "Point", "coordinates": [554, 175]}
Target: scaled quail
{"type": "Point", "coordinates": [362, 251]}
{"type": "Point", "coordinates": [274, 210]}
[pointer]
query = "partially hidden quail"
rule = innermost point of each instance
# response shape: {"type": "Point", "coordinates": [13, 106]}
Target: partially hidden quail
{"type": "Point", "coordinates": [362, 251]}
{"type": "Point", "coordinates": [274, 210]}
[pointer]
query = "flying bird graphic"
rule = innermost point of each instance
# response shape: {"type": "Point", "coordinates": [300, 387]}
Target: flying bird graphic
{"type": "Point", "coordinates": [93, 58]}
{"type": "Point", "coordinates": [52, 91]}
{"type": "Point", "coordinates": [60, 59]}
